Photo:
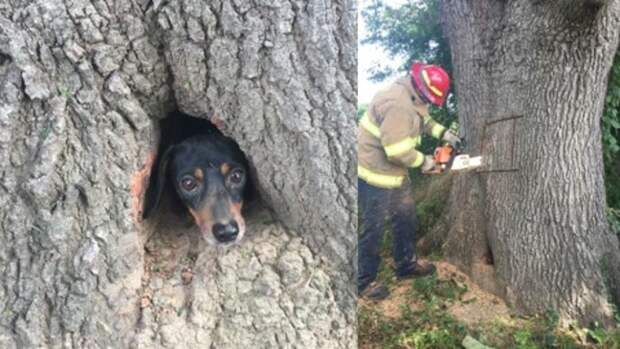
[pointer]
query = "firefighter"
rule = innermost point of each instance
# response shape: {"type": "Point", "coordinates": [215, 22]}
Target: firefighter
{"type": "Point", "coordinates": [387, 139]}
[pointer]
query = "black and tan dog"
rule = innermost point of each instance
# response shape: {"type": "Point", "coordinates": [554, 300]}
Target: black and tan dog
{"type": "Point", "coordinates": [209, 174]}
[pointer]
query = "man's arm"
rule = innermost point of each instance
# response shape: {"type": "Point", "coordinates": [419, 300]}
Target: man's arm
{"type": "Point", "coordinates": [437, 130]}
{"type": "Point", "coordinates": [432, 127]}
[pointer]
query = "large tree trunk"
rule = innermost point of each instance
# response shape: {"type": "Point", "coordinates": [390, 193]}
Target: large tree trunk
{"type": "Point", "coordinates": [534, 228]}
{"type": "Point", "coordinates": [83, 86]}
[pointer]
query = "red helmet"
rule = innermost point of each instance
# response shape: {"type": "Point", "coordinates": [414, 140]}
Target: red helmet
{"type": "Point", "coordinates": [432, 81]}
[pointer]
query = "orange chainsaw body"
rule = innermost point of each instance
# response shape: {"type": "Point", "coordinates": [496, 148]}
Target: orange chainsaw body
{"type": "Point", "coordinates": [444, 154]}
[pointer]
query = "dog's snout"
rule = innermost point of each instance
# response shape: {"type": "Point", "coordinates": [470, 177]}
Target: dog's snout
{"type": "Point", "coordinates": [226, 232]}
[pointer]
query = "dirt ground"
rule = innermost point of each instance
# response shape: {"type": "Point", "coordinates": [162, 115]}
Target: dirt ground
{"type": "Point", "coordinates": [476, 307]}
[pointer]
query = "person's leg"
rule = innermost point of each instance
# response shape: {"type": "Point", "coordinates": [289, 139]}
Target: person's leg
{"type": "Point", "coordinates": [403, 222]}
{"type": "Point", "coordinates": [372, 211]}
{"type": "Point", "coordinates": [404, 225]}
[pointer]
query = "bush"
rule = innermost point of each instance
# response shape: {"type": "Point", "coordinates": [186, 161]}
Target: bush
{"type": "Point", "coordinates": [431, 196]}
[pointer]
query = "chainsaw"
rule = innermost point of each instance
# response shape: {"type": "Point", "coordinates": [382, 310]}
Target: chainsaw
{"type": "Point", "coordinates": [449, 158]}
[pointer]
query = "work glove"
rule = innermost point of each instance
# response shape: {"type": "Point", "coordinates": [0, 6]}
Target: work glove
{"type": "Point", "coordinates": [451, 137]}
{"type": "Point", "coordinates": [429, 165]}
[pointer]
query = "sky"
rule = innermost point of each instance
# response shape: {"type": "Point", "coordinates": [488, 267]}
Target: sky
{"type": "Point", "coordinates": [369, 54]}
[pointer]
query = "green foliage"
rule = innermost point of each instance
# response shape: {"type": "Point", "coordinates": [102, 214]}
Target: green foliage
{"type": "Point", "coordinates": [597, 334]}
{"type": "Point", "coordinates": [551, 318]}
{"type": "Point", "coordinates": [542, 332]}
{"type": "Point", "coordinates": [431, 195]}
{"type": "Point", "coordinates": [429, 213]}
{"type": "Point", "coordinates": [430, 327]}
{"type": "Point", "coordinates": [429, 287]}
{"type": "Point", "coordinates": [435, 338]}
{"type": "Point", "coordinates": [523, 340]}
{"type": "Point", "coordinates": [611, 115]}
{"type": "Point", "coordinates": [374, 327]}
{"type": "Point", "coordinates": [610, 125]}
{"type": "Point", "coordinates": [603, 338]}
{"type": "Point", "coordinates": [611, 340]}
{"type": "Point", "coordinates": [361, 110]}
{"type": "Point", "coordinates": [613, 214]}
{"type": "Point", "coordinates": [408, 32]}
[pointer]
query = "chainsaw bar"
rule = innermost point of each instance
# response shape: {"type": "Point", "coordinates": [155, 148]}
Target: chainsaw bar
{"type": "Point", "coordinates": [465, 162]}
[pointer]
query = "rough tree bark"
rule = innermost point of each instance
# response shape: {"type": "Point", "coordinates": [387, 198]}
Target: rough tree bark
{"type": "Point", "coordinates": [82, 87]}
{"type": "Point", "coordinates": [537, 236]}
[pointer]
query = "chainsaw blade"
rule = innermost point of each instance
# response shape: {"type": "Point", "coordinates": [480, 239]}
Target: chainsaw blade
{"type": "Point", "coordinates": [465, 162]}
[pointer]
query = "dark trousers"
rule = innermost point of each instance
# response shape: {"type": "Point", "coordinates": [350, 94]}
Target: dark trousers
{"type": "Point", "coordinates": [375, 206]}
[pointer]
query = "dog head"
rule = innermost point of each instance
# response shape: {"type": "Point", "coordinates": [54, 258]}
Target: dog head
{"type": "Point", "coordinates": [209, 176]}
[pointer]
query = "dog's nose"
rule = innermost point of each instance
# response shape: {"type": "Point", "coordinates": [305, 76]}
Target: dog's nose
{"type": "Point", "coordinates": [226, 232]}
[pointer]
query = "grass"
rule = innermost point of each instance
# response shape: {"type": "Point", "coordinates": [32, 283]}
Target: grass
{"type": "Point", "coordinates": [425, 325]}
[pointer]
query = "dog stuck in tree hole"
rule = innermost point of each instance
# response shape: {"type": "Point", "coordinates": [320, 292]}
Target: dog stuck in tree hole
{"type": "Point", "coordinates": [206, 172]}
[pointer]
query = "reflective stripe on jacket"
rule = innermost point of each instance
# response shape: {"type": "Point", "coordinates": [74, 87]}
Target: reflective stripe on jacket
{"type": "Point", "coordinates": [390, 132]}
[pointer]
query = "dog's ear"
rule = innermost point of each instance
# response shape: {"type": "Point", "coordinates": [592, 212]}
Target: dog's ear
{"type": "Point", "coordinates": [157, 183]}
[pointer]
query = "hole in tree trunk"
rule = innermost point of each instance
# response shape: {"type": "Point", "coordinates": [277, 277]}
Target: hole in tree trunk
{"type": "Point", "coordinates": [4, 59]}
{"type": "Point", "coordinates": [195, 195]}
{"type": "Point", "coordinates": [487, 258]}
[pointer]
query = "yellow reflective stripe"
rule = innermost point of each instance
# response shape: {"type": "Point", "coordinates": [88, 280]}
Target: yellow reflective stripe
{"type": "Point", "coordinates": [380, 180]}
{"type": "Point", "coordinates": [419, 160]}
{"type": "Point", "coordinates": [369, 126]}
{"type": "Point", "coordinates": [437, 130]}
{"type": "Point", "coordinates": [427, 80]}
{"type": "Point", "coordinates": [375, 131]}
{"type": "Point", "coordinates": [429, 120]}
{"type": "Point", "coordinates": [400, 147]}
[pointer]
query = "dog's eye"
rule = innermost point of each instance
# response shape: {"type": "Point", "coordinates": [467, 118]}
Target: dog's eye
{"type": "Point", "coordinates": [188, 184]}
{"type": "Point", "coordinates": [236, 176]}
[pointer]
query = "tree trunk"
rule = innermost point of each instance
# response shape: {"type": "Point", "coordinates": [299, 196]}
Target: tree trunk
{"type": "Point", "coordinates": [531, 78]}
{"type": "Point", "coordinates": [83, 86]}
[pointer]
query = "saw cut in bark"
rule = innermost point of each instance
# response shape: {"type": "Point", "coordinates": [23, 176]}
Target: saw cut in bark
{"type": "Point", "coordinates": [84, 89]}
{"type": "Point", "coordinates": [543, 223]}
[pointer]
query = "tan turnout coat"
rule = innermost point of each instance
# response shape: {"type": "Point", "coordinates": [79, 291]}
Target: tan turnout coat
{"type": "Point", "coordinates": [390, 132]}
